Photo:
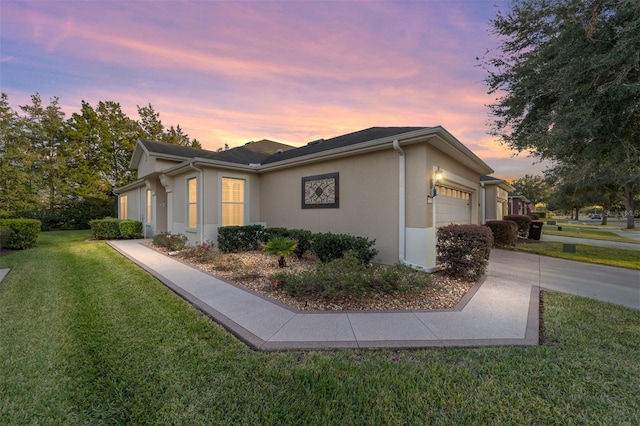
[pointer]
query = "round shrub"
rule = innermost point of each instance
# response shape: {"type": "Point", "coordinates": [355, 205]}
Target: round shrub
{"type": "Point", "coordinates": [505, 232]}
{"type": "Point", "coordinates": [523, 222]}
{"type": "Point", "coordinates": [463, 250]}
{"type": "Point", "coordinates": [24, 233]}
{"type": "Point", "coordinates": [130, 229]}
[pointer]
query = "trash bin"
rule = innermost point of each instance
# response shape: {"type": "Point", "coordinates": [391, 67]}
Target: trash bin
{"type": "Point", "coordinates": [535, 230]}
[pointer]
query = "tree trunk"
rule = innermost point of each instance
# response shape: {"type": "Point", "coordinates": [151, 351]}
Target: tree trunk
{"type": "Point", "coordinates": [628, 204]}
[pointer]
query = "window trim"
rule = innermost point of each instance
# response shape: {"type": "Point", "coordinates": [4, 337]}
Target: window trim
{"type": "Point", "coordinates": [123, 211]}
{"type": "Point", "coordinates": [189, 203]}
{"type": "Point", "coordinates": [149, 206]}
{"type": "Point", "coordinates": [246, 202]}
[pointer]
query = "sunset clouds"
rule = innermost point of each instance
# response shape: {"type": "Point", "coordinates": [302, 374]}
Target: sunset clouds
{"type": "Point", "coordinates": [230, 72]}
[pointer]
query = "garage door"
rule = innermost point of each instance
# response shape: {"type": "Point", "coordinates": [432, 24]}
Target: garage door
{"type": "Point", "coordinates": [452, 206]}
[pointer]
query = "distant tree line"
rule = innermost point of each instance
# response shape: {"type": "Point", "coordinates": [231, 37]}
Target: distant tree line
{"type": "Point", "coordinates": [63, 171]}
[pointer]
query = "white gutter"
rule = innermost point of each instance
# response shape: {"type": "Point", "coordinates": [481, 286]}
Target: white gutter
{"type": "Point", "coordinates": [200, 202]}
{"type": "Point", "coordinates": [402, 206]}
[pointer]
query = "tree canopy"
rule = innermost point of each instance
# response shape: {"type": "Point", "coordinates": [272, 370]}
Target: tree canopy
{"type": "Point", "coordinates": [62, 171]}
{"type": "Point", "coordinates": [567, 80]}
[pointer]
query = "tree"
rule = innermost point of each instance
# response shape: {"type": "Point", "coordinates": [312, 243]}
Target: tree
{"type": "Point", "coordinates": [534, 188]}
{"type": "Point", "coordinates": [18, 190]}
{"type": "Point", "coordinates": [568, 80]}
{"type": "Point", "coordinates": [43, 128]}
{"type": "Point", "coordinates": [152, 128]}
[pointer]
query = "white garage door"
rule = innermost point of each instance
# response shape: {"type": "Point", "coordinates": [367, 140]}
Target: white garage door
{"type": "Point", "coordinates": [452, 206]}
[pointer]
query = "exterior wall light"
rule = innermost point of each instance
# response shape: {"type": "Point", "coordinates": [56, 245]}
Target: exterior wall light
{"type": "Point", "coordinates": [437, 178]}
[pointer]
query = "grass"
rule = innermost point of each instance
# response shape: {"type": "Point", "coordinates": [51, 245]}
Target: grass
{"type": "Point", "coordinates": [585, 253]}
{"type": "Point", "coordinates": [86, 337]}
{"type": "Point", "coordinates": [594, 234]}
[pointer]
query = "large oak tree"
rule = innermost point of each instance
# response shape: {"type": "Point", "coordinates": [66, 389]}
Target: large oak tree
{"type": "Point", "coordinates": [567, 79]}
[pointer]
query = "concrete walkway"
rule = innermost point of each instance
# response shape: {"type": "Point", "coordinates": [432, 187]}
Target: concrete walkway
{"type": "Point", "coordinates": [501, 310]}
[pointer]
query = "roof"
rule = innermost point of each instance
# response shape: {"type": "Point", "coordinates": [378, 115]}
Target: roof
{"type": "Point", "coordinates": [249, 153]}
{"type": "Point", "coordinates": [354, 138]}
{"type": "Point", "coordinates": [267, 155]}
{"type": "Point", "coordinates": [500, 182]}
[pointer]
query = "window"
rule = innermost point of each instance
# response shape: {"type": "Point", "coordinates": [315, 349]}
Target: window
{"type": "Point", "coordinates": [123, 207]}
{"type": "Point", "coordinates": [232, 201]}
{"type": "Point", "coordinates": [149, 217]}
{"type": "Point", "coordinates": [192, 203]}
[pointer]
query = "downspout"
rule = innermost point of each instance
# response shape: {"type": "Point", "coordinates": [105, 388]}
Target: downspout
{"type": "Point", "coordinates": [200, 201]}
{"type": "Point", "coordinates": [402, 206]}
{"type": "Point", "coordinates": [484, 204]}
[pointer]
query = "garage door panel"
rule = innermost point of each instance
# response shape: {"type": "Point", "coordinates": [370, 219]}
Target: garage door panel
{"type": "Point", "coordinates": [452, 206]}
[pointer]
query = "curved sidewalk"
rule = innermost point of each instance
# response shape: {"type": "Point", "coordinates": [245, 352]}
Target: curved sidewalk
{"type": "Point", "coordinates": [501, 310]}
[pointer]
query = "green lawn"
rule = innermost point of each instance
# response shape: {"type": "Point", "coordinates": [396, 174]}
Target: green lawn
{"type": "Point", "coordinates": [86, 337]}
{"type": "Point", "coordinates": [585, 253]}
{"type": "Point", "coordinates": [594, 234]}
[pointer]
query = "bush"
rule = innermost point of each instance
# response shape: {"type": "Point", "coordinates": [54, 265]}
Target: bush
{"type": "Point", "coordinates": [348, 277]}
{"type": "Point", "coordinates": [302, 236]}
{"type": "Point", "coordinates": [201, 253]}
{"type": "Point", "coordinates": [240, 238]}
{"type": "Point", "coordinates": [24, 233]}
{"type": "Point", "coordinates": [328, 247]}
{"type": "Point", "coordinates": [105, 229]}
{"type": "Point", "coordinates": [533, 216]}
{"type": "Point", "coordinates": [523, 222]}
{"type": "Point", "coordinates": [505, 232]}
{"type": "Point", "coordinates": [171, 242]}
{"type": "Point", "coordinates": [130, 229]}
{"type": "Point", "coordinates": [463, 250]}
{"type": "Point", "coordinates": [5, 233]}
{"type": "Point", "coordinates": [541, 215]}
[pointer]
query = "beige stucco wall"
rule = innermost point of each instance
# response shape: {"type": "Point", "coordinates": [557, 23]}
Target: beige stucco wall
{"type": "Point", "coordinates": [209, 189]}
{"type": "Point", "coordinates": [149, 165]}
{"type": "Point", "coordinates": [368, 199]}
{"type": "Point", "coordinates": [134, 202]}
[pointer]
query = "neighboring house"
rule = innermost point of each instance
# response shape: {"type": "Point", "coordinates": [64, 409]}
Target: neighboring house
{"type": "Point", "coordinates": [518, 204]}
{"type": "Point", "coordinates": [392, 184]}
{"type": "Point", "coordinates": [494, 198]}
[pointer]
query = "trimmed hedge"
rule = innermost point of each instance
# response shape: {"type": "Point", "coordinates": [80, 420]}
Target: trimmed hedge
{"type": "Point", "coordinates": [463, 250]}
{"type": "Point", "coordinates": [241, 238]}
{"type": "Point", "coordinates": [130, 229]}
{"type": "Point", "coordinates": [105, 229]}
{"type": "Point", "coordinates": [328, 247]}
{"type": "Point", "coordinates": [523, 222]}
{"type": "Point", "coordinates": [114, 229]}
{"type": "Point", "coordinates": [24, 233]}
{"type": "Point", "coordinates": [505, 232]}
{"type": "Point", "coordinates": [5, 233]}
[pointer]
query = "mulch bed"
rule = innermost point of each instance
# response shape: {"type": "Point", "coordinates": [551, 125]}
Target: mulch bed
{"type": "Point", "coordinates": [253, 270]}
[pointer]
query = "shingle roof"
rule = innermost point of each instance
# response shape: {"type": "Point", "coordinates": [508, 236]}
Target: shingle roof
{"type": "Point", "coordinates": [320, 145]}
{"type": "Point", "coordinates": [251, 152]}
{"type": "Point", "coordinates": [172, 149]}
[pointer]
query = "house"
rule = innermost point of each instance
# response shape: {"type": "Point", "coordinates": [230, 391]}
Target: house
{"type": "Point", "coordinates": [396, 185]}
{"type": "Point", "coordinates": [518, 204]}
{"type": "Point", "coordinates": [494, 198]}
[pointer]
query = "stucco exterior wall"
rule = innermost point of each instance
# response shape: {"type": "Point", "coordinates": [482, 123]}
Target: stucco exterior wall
{"type": "Point", "coordinates": [134, 202]}
{"type": "Point", "coordinates": [150, 164]}
{"type": "Point", "coordinates": [368, 194]}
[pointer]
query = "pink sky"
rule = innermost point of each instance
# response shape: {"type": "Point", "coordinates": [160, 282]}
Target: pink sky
{"type": "Point", "coordinates": [294, 71]}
